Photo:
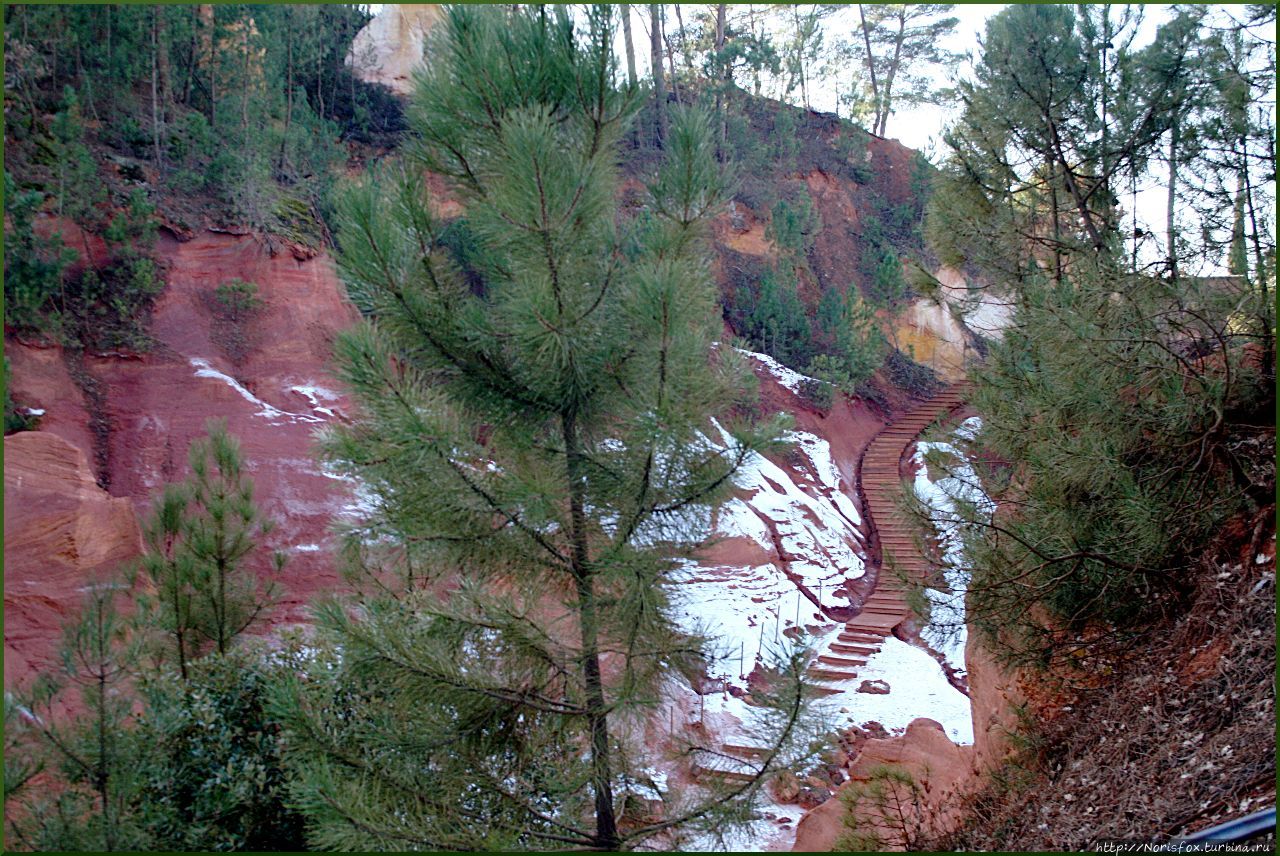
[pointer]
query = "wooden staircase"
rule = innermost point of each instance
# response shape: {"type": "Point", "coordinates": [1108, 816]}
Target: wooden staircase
{"type": "Point", "coordinates": [893, 542]}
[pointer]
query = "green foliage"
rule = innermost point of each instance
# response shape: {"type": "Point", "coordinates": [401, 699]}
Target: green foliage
{"type": "Point", "coordinates": [902, 43]}
{"type": "Point", "coordinates": [851, 344]}
{"type": "Point", "coordinates": [852, 146]}
{"type": "Point", "coordinates": [238, 298]}
{"type": "Point", "coordinates": [581, 338]}
{"type": "Point", "coordinates": [793, 223]}
{"type": "Point", "coordinates": [33, 266]}
{"type": "Point", "coordinates": [223, 527]}
{"type": "Point", "coordinates": [886, 811]}
{"type": "Point", "coordinates": [1125, 464]}
{"type": "Point", "coordinates": [773, 318]}
{"type": "Point", "coordinates": [253, 104]}
{"type": "Point", "coordinates": [79, 192]}
{"type": "Point", "coordinates": [20, 765]}
{"type": "Point", "coordinates": [785, 145]}
{"type": "Point", "coordinates": [109, 307]}
{"type": "Point", "coordinates": [235, 304]}
{"type": "Point", "coordinates": [190, 763]}
{"type": "Point", "coordinates": [888, 285]}
{"type": "Point", "coordinates": [93, 755]}
{"type": "Point", "coordinates": [905, 373]}
{"type": "Point", "coordinates": [15, 420]}
{"type": "Point", "coordinates": [1122, 402]}
{"type": "Point", "coordinates": [211, 775]}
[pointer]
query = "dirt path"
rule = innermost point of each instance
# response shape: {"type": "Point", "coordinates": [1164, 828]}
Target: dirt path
{"type": "Point", "coordinates": [893, 545]}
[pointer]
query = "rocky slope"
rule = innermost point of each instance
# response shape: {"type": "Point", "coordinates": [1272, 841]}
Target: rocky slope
{"type": "Point", "coordinates": [143, 411]}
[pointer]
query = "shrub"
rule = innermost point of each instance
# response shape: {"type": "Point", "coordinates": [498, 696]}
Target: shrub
{"type": "Point", "coordinates": [885, 812]}
{"type": "Point", "coordinates": [14, 419]}
{"type": "Point", "coordinates": [234, 304]}
{"type": "Point", "coordinates": [905, 373]}
{"type": "Point", "coordinates": [211, 777]}
{"type": "Point", "coordinates": [33, 266]}
{"type": "Point", "coordinates": [818, 394]}
{"type": "Point", "coordinates": [108, 308]}
{"type": "Point", "coordinates": [888, 284]}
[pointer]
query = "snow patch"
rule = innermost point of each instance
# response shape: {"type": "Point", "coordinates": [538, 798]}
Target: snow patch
{"type": "Point", "coordinates": [266, 411]}
{"type": "Point", "coordinates": [947, 631]}
{"type": "Point", "coordinates": [816, 530]}
{"type": "Point", "coordinates": [742, 611]}
{"type": "Point", "coordinates": [917, 688]}
{"type": "Point", "coordinates": [317, 394]}
{"type": "Point", "coordinates": [789, 378]}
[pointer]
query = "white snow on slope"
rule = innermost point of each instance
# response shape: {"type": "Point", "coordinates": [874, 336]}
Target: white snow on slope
{"type": "Point", "coordinates": [317, 394]}
{"type": "Point", "coordinates": [917, 688]}
{"type": "Point", "coordinates": [789, 378]}
{"type": "Point", "coordinates": [741, 610]}
{"type": "Point", "coordinates": [816, 523]}
{"type": "Point", "coordinates": [947, 631]}
{"type": "Point", "coordinates": [203, 369]}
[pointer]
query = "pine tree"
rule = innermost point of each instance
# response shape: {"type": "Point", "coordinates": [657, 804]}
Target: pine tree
{"type": "Point", "coordinates": [1117, 401]}
{"type": "Point", "coordinates": [91, 753]}
{"type": "Point", "coordinates": [171, 572]}
{"type": "Point", "coordinates": [530, 429]}
{"type": "Point", "coordinates": [222, 530]}
{"type": "Point", "coordinates": [899, 44]}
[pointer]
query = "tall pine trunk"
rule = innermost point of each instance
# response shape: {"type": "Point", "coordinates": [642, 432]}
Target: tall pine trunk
{"type": "Point", "coordinates": [889, 75]}
{"type": "Point", "coordinates": [288, 84]}
{"type": "Point", "coordinates": [208, 34]}
{"type": "Point", "coordinates": [597, 711]}
{"type": "Point", "coordinates": [659, 89]}
{"type": "Point", "coordinates": [722, 89]}
{"type": "Point", "coordinates": [1170, 223]}
{"type": "Point", "coordinates": [155, 96]}
{"type": "Point", "coordinates": [631, 49]}
{"type": "Point", "coordinates": [871, 68]}
{"type": "Point", "coordinates": [671, 58]}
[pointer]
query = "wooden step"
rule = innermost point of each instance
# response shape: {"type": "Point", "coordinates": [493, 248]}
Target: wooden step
{"type": "Point", "coordinates": [841, 662]}
{"type": "Point", "coordinates": [842, 648]}
{"type": "Point", "coordinates": [751, 753]}
{"type": "Point", "coordinates": [830, 674]}
{"type": "Point", "coordinates": [861, 637]}
{"type": "Point", "coordinates": [873, 636]}
{"type": "Point", "coordinates": [723, 775]}
{"type": "Point", "coordinates": [819, 690]}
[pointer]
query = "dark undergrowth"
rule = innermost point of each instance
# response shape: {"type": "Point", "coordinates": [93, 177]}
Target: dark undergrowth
{"type": "Point", "coordinates": [1177, 734]}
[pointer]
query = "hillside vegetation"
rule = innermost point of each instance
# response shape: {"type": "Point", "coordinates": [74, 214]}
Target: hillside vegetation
{"type": "Point", "coordinates": [550, 258]}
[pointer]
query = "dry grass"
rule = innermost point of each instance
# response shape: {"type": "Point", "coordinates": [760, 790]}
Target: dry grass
{"type": "Point", "coordinates": [1180, 736]}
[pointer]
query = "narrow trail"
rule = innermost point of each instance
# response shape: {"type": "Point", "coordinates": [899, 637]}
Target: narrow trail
{"type": "Point", "coordinates": [893, 543]}
{"type": "Point", "coordinates": [892, 540]}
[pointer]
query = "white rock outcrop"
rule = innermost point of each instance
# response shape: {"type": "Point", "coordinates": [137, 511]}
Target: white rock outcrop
{"type": "Point", "coordinates": [390, 46]}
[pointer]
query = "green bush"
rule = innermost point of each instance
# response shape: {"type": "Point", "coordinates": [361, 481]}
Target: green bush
{"type": "Point", "coordinates": [33, 266]}
{"type": "Point", "coordinates": [1132, 423]}
{"type": "Point", "coordinates": [886, 811]}
{"type": "Point", "coordinates": [236, 302]}
{"type": "Point", "coordinates": [14, 420]}
{"type": "Point", "coordinates": [888, 284]}
{"type": "Point", "coordinates": [109, 307]}
{"type": "Point", "coordinates": [238, 298]}
{"type": "Point", "coordinates": [211, 776]}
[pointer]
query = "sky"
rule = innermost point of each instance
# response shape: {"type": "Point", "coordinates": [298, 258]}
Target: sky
{"type": "Point", "coordinates": [915, 128]}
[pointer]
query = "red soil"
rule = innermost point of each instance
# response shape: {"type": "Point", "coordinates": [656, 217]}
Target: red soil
{"type": "Point", "coordinates": [155, 406]}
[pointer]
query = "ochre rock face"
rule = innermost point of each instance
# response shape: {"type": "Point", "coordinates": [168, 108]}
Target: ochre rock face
{"type": "Point", "coordinates": [939, 767]}
{"type": "Point", "coordinates": [61, 533]}
{"type": "Point", "coordinates": [152, 407]}
{"type": "Point", "coordinates": [390, 46]}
